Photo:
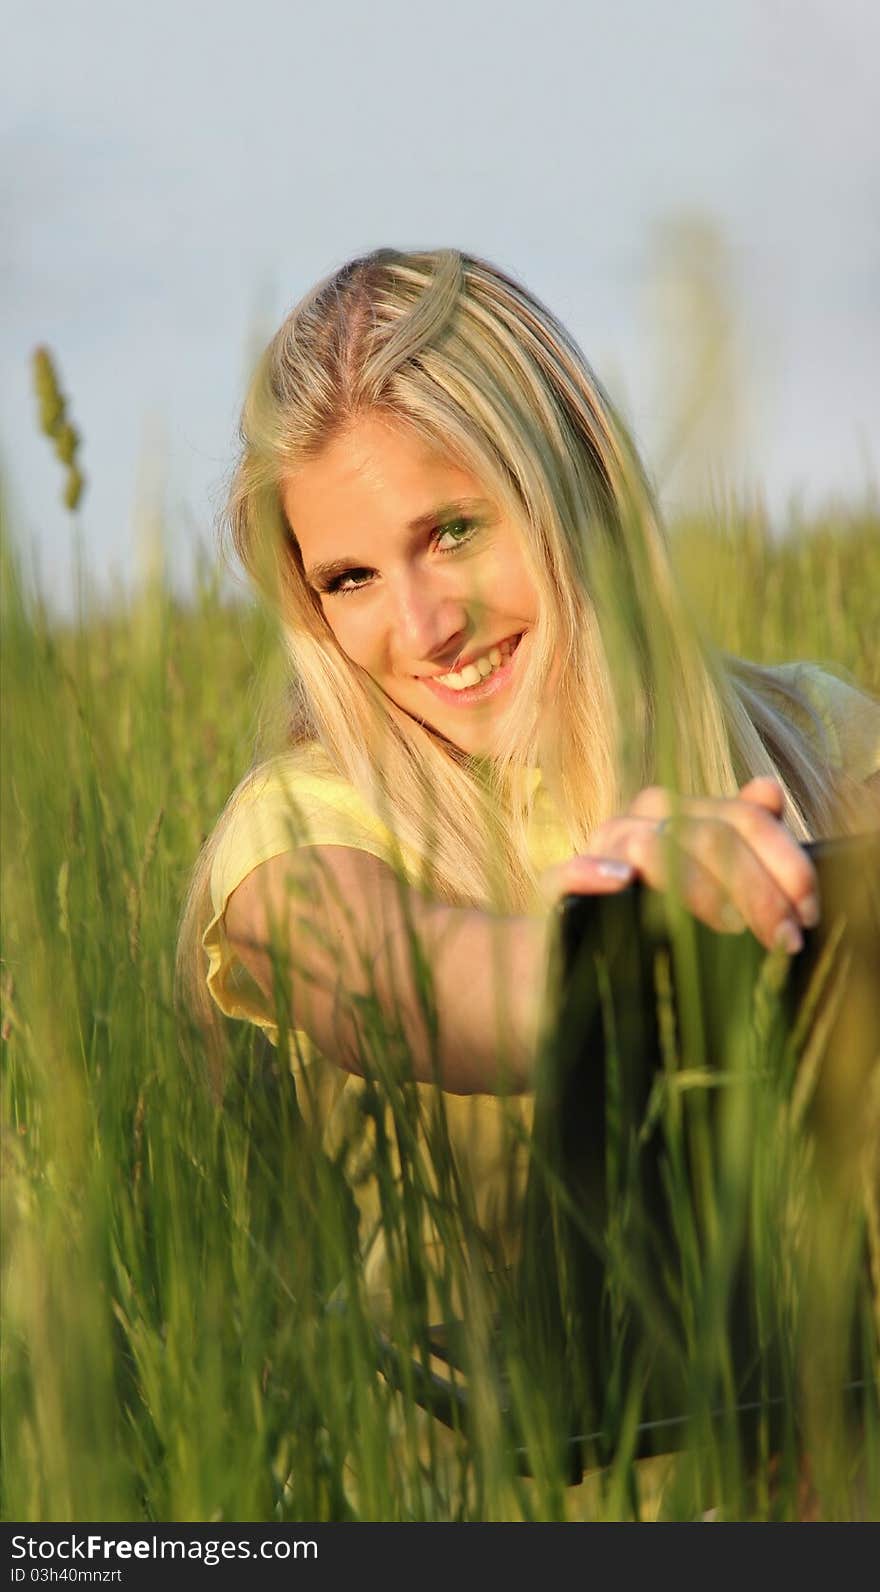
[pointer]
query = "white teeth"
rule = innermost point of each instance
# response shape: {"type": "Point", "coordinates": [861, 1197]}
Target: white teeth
{"type": "Point", "coordinates": [473, 673]}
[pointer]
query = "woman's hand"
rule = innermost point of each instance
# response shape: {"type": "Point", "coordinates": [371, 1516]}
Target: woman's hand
{"type": "Point", "coordinates": [736, 865]}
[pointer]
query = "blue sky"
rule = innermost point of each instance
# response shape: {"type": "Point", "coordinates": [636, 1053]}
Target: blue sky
{"type": "Point", "coordinates": [176, 176]}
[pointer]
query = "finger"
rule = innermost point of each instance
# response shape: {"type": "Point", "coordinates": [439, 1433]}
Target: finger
{"type": "Point", "coordinates": [700, 889]}
{"type": "Point", "coordinates": [655, 801]}
{"type": "Point", "coordinates": [717, 874]}
{"type": "Point", "coordinates": [764, 792]}
{"type": "Point", "coordinates": [756, 821]}
{"type": "Point", "coordinates": [586, 875]}
{"type": "Point", "coordinates": [743, 880]}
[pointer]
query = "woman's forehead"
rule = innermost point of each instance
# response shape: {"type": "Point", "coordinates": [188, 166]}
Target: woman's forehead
{"type": "Point", "coordinates": [376, 467]}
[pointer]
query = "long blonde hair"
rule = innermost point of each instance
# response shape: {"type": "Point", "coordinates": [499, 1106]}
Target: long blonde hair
{"type": "Point", "coordinates": [452, 348]}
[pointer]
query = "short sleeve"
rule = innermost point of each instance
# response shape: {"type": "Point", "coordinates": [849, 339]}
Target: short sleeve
{"type": "Point", "coordinates": [286, 804]}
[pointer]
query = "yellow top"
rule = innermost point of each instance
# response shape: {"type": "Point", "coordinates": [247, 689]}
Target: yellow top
{"type": "Point", "coordinates": [297, 799]}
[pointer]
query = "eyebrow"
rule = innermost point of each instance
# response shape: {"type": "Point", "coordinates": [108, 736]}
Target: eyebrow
{"type": "Point", "coordinates": [321, 575]}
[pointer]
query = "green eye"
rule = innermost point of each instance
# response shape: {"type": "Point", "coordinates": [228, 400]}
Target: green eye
{"type": "Point", "coordinates": [461, 530]}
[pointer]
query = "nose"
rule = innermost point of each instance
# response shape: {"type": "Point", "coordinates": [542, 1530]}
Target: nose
{"type": "Point", "coordinates": [430, 621]}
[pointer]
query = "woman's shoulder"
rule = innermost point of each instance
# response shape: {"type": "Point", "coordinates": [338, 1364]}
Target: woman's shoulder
{"type": "Point", "coordinates": [838, 716]}
{"type": "Point", "coordinates": [298, 782]}
{"type": "Point", "coordinates": [293, 799]}
{"type": "Point", "coordinates": [295, 769]}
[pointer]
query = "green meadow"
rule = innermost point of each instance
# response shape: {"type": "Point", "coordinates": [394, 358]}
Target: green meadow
{"type": "Point", "coordinates": [186, 1336]}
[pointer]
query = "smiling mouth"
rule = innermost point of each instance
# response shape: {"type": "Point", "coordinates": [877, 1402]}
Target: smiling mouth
{"type": "Point", "coordinates": [476, 681]}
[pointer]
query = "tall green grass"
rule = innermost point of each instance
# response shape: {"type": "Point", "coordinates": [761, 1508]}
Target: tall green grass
{"type": "Point", "coordinates": [186, 1335]}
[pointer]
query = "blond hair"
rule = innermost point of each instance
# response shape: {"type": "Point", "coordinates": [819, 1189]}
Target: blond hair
{"type": "Point", "coordinates": [450, 347]}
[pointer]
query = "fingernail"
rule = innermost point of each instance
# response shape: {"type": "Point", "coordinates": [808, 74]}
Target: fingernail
{"type": "Point", "coordinates": [788, 937]}
{"type": "Point", "coordinates": [809, 911]}
{"type": "Point", "coordinates": [610, 868]}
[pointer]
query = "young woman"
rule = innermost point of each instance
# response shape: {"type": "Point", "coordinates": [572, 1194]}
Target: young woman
{"type": "Point", "coordinates": [498, 699]}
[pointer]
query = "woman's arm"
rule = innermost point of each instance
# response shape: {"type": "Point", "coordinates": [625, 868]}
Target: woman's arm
{"type": "Point", "coordinates": [349, 930]}
{"type": "Point", "coordinates": [350, 925]}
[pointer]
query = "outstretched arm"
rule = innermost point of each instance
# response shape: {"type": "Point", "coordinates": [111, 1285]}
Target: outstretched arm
{"type": "Point", "coordinates": [351, 928]}
{"type": "Point", "coordinates": [348, 930]}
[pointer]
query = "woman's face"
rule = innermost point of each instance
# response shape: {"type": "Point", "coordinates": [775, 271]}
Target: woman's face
{"type": "Point", "coordinates": [420, 576]}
